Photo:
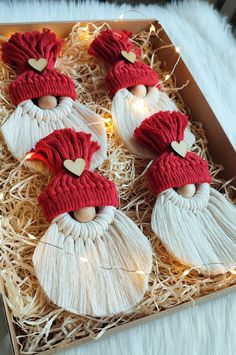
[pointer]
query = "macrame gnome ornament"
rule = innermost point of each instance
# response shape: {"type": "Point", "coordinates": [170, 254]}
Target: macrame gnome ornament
{"type": "Point", "coordinates": [135, 87]}
{"type": "Point", "coordinates": [199, 230]}
{"type": "Point", "coordinates": [44, 97]}
{"type": "Point", "coordinates": [99, 267]}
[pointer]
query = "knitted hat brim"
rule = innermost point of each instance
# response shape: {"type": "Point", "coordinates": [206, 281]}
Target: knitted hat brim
{"type": "Point", "coordinates": [32, 85]}
{"type": "Point", "coordinates": [124, 75]}
{"type": "Point", "coordinates": [173, 171]}
{"type": "Point", "coordinates": [67, 193]}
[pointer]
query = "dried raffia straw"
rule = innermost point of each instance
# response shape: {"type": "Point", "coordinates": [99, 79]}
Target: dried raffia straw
{"type": "Point", "coordinates": [40, 325]}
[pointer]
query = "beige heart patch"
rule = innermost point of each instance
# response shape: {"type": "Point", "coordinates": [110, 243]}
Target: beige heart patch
{"type": "Point", "coordinates": [39, 64]}
{"type": "Point", "coordinates": [76, 167]}
{"type": "Point", "coordinates": [180, 148]}
{"type": "Point", "coordinates": [130, 56]}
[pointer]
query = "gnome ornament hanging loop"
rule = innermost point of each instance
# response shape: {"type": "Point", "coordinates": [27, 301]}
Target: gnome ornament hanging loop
{"type": "Point", "coordinates": [86, 266]}
{"type": "Point", "coordinates": [134, 86]}
{"type": "Point", "coordinates": [195, 223]}
{"type": "Point", "coordinates": [45, 99]}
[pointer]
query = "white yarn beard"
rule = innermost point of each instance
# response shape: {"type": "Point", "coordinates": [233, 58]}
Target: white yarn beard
{"type": "Point", "coordinates": [198, 230]}
{"type": "Point", "coordinates": [111, 239]}
{"type": "Point", "coordinates": [29, 123]}
{"type": "Point", "coordinates": [128, 112]}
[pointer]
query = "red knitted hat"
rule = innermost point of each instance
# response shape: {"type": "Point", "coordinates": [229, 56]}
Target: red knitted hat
{"type": "Point", "coordinates": [31, 83]}
{"type": "Point", "coordinates": [108, 46]}
{"type": "Point", "coordinates": [64, 144]}
{"type": "Point", "coordinates": [170, 169]}
{"type": "Point", "coordinates": [67, 193]}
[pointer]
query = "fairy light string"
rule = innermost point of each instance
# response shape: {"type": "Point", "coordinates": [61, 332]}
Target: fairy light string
{"type": "Point", "coordinates": [120, 268]}
{"type": "Point", "coordinates": [152, 29]}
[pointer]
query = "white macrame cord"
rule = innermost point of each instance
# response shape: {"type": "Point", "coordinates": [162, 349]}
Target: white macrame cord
{"type": "Point", "coordinates": [73, 263]}
{"type": "Point", "coordinates": [199, 231]}
{"type": "Point", "coordinates": [29, 123]}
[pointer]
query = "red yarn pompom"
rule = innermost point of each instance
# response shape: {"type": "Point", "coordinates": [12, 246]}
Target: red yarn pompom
{"type": "Point", "coordinates": [23, 46]}
{"type": "Point", "coordinates": [109, 44]}
{"type": "Point", "coordinates": [159, 130]}
{"type": "Point", "coordinates": [64, 144]}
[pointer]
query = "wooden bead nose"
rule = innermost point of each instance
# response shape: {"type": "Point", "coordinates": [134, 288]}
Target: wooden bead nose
{"type": "Point", "coordinates": [139, 90]}
{"type": "Point", "coordinates": [47, 102]}
{"type": "Point", "coordinates": [85, 214]}
{"type": "Point", "coordinates": [187, 190]}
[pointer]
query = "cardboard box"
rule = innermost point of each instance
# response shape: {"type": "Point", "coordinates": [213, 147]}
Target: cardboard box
{"type": "Point", "coordinates": [200, 111]}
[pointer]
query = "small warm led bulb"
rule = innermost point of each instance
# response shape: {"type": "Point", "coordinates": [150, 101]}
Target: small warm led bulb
{"type": "Point", "coordinates": [84, 260]}
{"type": "Point", "coordinates": [31, 236]}
{"type": "Point", "coordinates": [107, 120]}
{"type": "Point", "coordinates": [139, 106]}
{"type": "Point", "coordinates": [121, 16]}
{"type": "Point", "coordinates": [141, 272]}
{"type": "Point", "coordinates": [28, 156]}
{"type": "Point", "coordinates": [152, 28]}
{"type": "Point", "coordinates": [233, 272]}
{"type": "Point", "coordinates": [177, 49]}
{"type": "Point", "coordinates": [167, 77]}
{"type": "Point", "coordinates": [186, 272]}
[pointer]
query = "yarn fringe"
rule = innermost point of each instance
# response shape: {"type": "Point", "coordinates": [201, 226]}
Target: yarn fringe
{"type": "Point", "coordinates": [73, 262]}
{"type": "Point", "coordinates": [29, 123]}
{"type": "Point", "coordinates": [198, 231]}
{"type": "Point", "coordinates": [23, 46]}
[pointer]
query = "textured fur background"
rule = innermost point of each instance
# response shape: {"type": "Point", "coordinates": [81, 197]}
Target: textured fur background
{"type": "Point", "coordinates": [207, 329]}
{"type": "Point", "coordinates": [209, 50]}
